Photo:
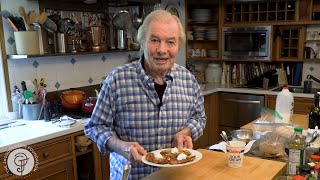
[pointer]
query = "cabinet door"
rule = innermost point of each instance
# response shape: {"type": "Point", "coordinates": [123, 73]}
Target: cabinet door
{"type": "Point", "coordinates": [54, 171]}
{"type": "Point", "coordinates": [289, 43]}
{"type": "Point", "coordinates": [301, 105]}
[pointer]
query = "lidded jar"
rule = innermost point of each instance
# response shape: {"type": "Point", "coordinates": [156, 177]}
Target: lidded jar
{"type": "Point", "coordinates": [213, 72]}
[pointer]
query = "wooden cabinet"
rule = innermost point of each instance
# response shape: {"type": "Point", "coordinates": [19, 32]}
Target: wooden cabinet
{"type": "Point", "coordinates": [301, 105]}
{"type": "Point", "coordinates": [289, 42]}
{"type": "Point", "coordinates": [202, 30]}
{"type": "Point", "coordinates": [59, 158]}
{"type": "Point", "coordinates": [210, 134]}
{"type": "Point", "coordinates": [260, 11]}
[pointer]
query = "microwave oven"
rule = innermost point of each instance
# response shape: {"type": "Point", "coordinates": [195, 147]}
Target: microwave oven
{"type": "Point", "coordinates": [246, 43]}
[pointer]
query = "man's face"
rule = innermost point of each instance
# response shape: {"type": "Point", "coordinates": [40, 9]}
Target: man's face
{"type": "Point", "coordinates": [161, 46]}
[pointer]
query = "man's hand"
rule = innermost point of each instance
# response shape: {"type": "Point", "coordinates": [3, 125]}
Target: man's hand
{"type": "Point", "coordinates": [183, 139]}
{"type": "Point", "coordinates": [134, 152]}
{"type": "Point", "coordinates": [130, 150]}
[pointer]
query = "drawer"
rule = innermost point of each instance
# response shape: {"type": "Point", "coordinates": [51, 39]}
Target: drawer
{"type": "Point", "coordinates": [53, 149]}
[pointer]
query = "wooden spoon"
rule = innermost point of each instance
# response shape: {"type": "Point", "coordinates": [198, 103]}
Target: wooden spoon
{"type": "Point", "coordinates": [43, 17]}
{"type": "Point", "coordinates": [23, 14]}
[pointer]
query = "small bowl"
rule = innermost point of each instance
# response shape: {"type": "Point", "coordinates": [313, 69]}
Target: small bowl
{"type": "Point", "coordinates": [244, 135]}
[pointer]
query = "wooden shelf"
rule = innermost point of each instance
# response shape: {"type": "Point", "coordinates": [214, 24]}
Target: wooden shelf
{"type": "Point", "coordinates": [15, 56]}
{"type": "Point", "coordinates": [203, 58]}
{"type": "Point", "coordinates": [204, 41]}
{"type": "Point", "coordinates": [202, 24]}
{"type": "Point", "coordinates": [84, 152]}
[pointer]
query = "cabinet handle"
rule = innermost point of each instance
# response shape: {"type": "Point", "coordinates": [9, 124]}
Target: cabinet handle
{"type": "Point", "coordinates": [45, 154]}
{"type": "Point", "coordinates": [243, 101]}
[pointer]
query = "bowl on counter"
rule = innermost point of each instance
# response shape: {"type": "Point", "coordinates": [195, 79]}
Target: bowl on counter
{"type": "Point", "coordinates": [244, 135]}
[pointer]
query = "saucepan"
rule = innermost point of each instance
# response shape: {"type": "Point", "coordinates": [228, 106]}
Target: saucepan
{"type": "Point", "coordinates": [88, 104]}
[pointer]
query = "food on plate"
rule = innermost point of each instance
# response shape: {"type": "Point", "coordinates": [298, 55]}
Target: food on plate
{"type": "Point", "coordinates": [170, 156]}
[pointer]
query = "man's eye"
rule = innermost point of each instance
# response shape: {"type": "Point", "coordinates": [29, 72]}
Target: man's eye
{"type": "Point", "coordinates": [154, 40]}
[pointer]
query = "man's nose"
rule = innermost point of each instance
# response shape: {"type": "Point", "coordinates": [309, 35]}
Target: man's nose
{"type": "Point", "coordinates": [162, 48]}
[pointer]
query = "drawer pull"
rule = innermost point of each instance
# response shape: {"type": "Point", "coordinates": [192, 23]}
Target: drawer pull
{"type": "Point", "coordinates": [45, 154]}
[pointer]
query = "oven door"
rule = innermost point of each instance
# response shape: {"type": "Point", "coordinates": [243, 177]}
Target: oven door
{"type": "Point", "coordinates": [239, 109]}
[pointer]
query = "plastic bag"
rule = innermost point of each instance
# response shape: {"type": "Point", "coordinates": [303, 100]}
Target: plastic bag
{"type": "Point", "coordinates": [270, 145]}
{"type": "Point", "coordinates": [266, 122]}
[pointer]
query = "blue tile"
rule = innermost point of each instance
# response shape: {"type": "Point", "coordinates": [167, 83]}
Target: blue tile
{"type": "Point", "coordinates": [103, 58]}
{"type": "Point", "coordinates": [73, 61]}
{"type": "Point", "coordinates": [35, 64]}
{"type": "Point", "coordinates": [10, 40]}
{"type": "Point", "coordinates": [311, 68]}
{"type": "Point", "coordinates": [90, 80]}
{"type": "Point", "coordinates": [57, 85]}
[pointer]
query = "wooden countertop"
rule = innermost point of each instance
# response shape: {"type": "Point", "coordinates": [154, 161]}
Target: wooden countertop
{"type": "Point", "coordinates": [297, 119]}
{"type": "Point", "coordinates": [213, 165]}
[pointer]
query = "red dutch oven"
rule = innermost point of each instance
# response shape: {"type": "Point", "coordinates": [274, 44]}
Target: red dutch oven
{"type": "Point", "coordinates": [88, 104]}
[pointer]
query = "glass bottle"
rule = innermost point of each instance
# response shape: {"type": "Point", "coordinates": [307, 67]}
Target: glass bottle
{"type": "Point", "coordinates": [296, 146]}
{"type": "Point", "coordinates": [314, 114]}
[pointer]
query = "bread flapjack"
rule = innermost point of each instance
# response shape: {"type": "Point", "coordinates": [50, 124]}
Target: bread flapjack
{"type": "Point", "coordinates": [171, 156]}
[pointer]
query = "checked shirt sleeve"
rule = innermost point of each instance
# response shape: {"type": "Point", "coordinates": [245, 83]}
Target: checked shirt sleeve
{"type": "Point", "coordinates": [100, 127]}
{"type": "Point", "coordinates": [197, 122]}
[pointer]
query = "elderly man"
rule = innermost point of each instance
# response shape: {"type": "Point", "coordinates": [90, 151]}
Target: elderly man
{"type": "Point", "coordinates": [149, 104]}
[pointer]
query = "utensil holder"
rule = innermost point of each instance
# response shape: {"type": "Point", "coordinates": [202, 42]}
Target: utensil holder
{"type": "Point", "coordinates": [31, 111]}
{"type": "Point", "coordinates": [27, 42]}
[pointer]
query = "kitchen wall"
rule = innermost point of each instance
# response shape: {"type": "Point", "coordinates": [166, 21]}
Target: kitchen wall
{"type": "Point", "coordinates": [64, 72]}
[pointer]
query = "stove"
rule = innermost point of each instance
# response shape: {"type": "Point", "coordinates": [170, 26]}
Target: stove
{"type": "Point", "coordinates": [54, 110]}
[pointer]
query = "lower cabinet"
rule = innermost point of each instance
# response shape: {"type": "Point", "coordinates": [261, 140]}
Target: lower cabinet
{"type": "Point", "coordinates": [53, 171]}
{"type": "Point", "coordinates": [301, 105]}
{"type": "Point", "coordinates": [61, 159]}
{"type": "Point", "coordinates": [210, 133]}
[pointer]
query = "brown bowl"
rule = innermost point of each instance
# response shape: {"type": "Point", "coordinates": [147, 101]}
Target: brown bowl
{"type": "Point", "coordinates": [72, 99]}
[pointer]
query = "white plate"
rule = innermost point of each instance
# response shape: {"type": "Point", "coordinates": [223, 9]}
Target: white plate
{"type": "Point", "coordinates": [193, 153]}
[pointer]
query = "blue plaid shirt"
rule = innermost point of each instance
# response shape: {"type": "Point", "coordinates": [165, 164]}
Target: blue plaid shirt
{"type": "Point", "coordinates": [128, 107]}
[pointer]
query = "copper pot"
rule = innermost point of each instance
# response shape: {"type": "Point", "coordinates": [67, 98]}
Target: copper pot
{"type": "Point", "coordinates": [72, 99]}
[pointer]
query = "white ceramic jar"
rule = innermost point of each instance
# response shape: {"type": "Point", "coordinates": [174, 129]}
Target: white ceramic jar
{"type": "Point", "coordinates": [213, 72]}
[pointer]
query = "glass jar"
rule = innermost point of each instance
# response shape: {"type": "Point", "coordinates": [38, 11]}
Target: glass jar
{"type": "Point", "coordinates": [213, 73]}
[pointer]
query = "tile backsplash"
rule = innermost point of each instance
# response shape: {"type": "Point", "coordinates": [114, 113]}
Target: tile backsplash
{"type": "Point", "coordinates": [66, 72]}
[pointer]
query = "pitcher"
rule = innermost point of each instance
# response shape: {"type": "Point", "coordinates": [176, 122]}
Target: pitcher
{"type": "Point", "coordinates": [94, 34]}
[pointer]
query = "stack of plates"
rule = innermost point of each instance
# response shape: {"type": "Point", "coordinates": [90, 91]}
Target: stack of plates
{"type": "Point", "coordinates": [201, 15]}
{"type": "Point", "coordinates": [212, 53]}
{"type": "Point", "coordinates": [212, 34]}
{"type": "Point", "coordinates": [199, 33]}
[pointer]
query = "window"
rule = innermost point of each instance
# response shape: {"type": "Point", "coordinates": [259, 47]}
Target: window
{"type": "Point", "coordinates": [3, 96]}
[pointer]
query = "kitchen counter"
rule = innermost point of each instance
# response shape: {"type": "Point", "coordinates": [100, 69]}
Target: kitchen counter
{"type": "Point", "coordinates": [213, 165]}
{"type": "Point", "coordinates": [35, 131]}
{"type": "Point", "coordinates": [297, 119]}
{"type": "Point", "coordinates": [217, 87]}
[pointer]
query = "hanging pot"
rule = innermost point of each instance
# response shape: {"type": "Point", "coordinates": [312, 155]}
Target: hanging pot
{"type": "Point", "coordinates": [72, 99]}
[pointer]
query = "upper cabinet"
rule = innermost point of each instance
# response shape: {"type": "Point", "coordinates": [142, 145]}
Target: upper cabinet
{"type": "Point", "coordinates": [203, 34]}
{"type": "Point", "coordinates": [260, 11]}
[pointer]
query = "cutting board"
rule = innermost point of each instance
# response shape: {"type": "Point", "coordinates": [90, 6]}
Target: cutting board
{"type": "Point", "coordinates": [213, 165]}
